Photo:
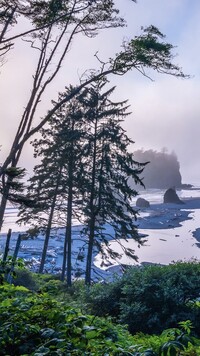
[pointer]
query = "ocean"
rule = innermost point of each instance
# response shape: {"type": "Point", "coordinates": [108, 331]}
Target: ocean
{"type": "Point", "coordinates": [172, 233]}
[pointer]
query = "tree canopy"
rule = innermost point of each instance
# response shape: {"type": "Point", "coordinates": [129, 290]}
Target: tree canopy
{"type": "Point", "coordinates": [84, 172]}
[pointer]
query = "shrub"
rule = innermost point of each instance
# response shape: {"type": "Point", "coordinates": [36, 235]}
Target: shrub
{"type": "Point", "coordinates": [152, 298]}
{"type": "Point", "coordinates": [7, 268]}
{"type": "Point", "coordinates": [25, 278]}
{"type": "Point", "coordinates": [37, 324]}
{"type": "Point", "coordinates": [105, 299]}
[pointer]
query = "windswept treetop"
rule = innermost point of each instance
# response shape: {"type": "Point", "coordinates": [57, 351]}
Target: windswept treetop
{"type": "Point", "coordinates": [89, 16]}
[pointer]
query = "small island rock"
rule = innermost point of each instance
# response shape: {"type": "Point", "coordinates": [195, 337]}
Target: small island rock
{"type": "Point", "coordinates": [142, 203]}
{"type": "Point", "coordinates": [171, 196]}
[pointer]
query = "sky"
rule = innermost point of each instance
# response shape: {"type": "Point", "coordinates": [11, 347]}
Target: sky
{"type": "Point", "coordinates": [165, 110]}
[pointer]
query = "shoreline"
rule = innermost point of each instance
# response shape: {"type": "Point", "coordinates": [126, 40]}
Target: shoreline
{"type": "Point", "coordinates": [167, 215]}
{"type": "Point", "coordinates": [159, 218]}
{"type": "Point", "coordinates": [162, 226]}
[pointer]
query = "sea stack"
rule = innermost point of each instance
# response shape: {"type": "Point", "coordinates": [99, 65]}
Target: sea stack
{"type": "Point", "coordinates": [171, 196]}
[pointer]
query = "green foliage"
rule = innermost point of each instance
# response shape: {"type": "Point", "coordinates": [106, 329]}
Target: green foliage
{"type": "Point", "coordinates": [149, 50]}
{"type": "Point", "coordinates": [14, 172]}
{"type": "Point", "coordinates": [48, 283]}
{"type": "Point", "coordinates": [53, 286]}
{"type": "Point", "coordinates": [5, 267]}
{"type": "Point", "coordinates": [182, 339]}
{"type": "Point", "coordinates": [14, 176]}
{"type": "Point", "coordinates": [23, 277]}
{"type": "Point", "coordinates": [38, 324]}
{"type": "Point", "coordinates": [152, 298]}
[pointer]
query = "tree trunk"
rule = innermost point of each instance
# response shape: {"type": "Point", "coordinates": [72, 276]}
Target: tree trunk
{"type": "Point", "coordinates": [2, 209]}
{"type": "Point", "coordinates": [69, 237]}
{"type": "Point", "coordinates": [14, 258]}
{"type": "Point", "coordinates": [68, 241]}
{"type": "Point", "coordinates": [47, 235]}
{"type": "Point", "coordinates": [89, 254]}
{"type": "Point", "coordinates": [5, 255]}
{"type": "Point", "coordinates": [7, 23]}
{"type": "Point", "coordinates": [92, 213]}
{"type": "Point", "coordinates": [4, 199]}
{"type": "Point", "coordinates": [48, 231]}
{"type": "Point", "coordinates": [67, 253]}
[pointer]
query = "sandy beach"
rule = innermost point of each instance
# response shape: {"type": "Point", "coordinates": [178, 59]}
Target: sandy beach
{"type": "Point", "coordinates": [165, 216]}
{"type": "Point", "coordinates": [171, 233]}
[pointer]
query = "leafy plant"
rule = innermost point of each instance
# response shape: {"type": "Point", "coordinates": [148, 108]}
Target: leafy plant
{"type": "Point", "coordinates": [5, 268]}
{"type": "Point", "coordinates": [38, 324]}
{"type": "Point", "coordinates": [152, 298]}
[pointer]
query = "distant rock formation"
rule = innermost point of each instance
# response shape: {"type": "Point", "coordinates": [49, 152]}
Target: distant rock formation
{"type": "Point", "coordinates": [171, 196]}
{"type": "Point", "coordinates": [142, 203]}
{"type": "Point", "coordinates": [161, 171]}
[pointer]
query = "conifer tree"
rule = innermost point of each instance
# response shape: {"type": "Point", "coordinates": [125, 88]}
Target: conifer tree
{"type": "Point", "coordinates": [53, 190]}
{"type": "Point", "coordinates": [84, 174]}
{"type": "Point", "coordinates": [108, 194]}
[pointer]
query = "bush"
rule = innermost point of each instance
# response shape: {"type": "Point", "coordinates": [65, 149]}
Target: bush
{"type": "Point", "coordinates": [7, 268]}
{"type": "Point", "coordinates": [152, 298]}
{"type": "Point", "coordinates": [37, 324]}
{"type": "Point", "coordinates": [25, 278]}
{"type": "Point", "coordinates": [105, 299]}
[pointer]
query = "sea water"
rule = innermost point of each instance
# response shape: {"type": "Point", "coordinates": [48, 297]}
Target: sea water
{"type": "Point", "coordinates": [162, 245]}
{"type": "Point", "coordinates": [167, 245]}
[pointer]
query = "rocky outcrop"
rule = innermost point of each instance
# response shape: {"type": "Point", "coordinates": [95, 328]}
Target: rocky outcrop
{"type": "Point", "coordinates": [171, 196]}
{"type": "Point", "coordinates": [142, 203]}
{"type": "Point", "coordinates": [161, 171]}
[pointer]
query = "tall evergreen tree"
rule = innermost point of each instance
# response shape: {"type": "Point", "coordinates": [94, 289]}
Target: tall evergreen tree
{"type": "Point", "coordinates": [54, 188]}
{"type": "Point", "coordinates": [108, 194]}
{"type": "Point", "coordinates": [84, 173]}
